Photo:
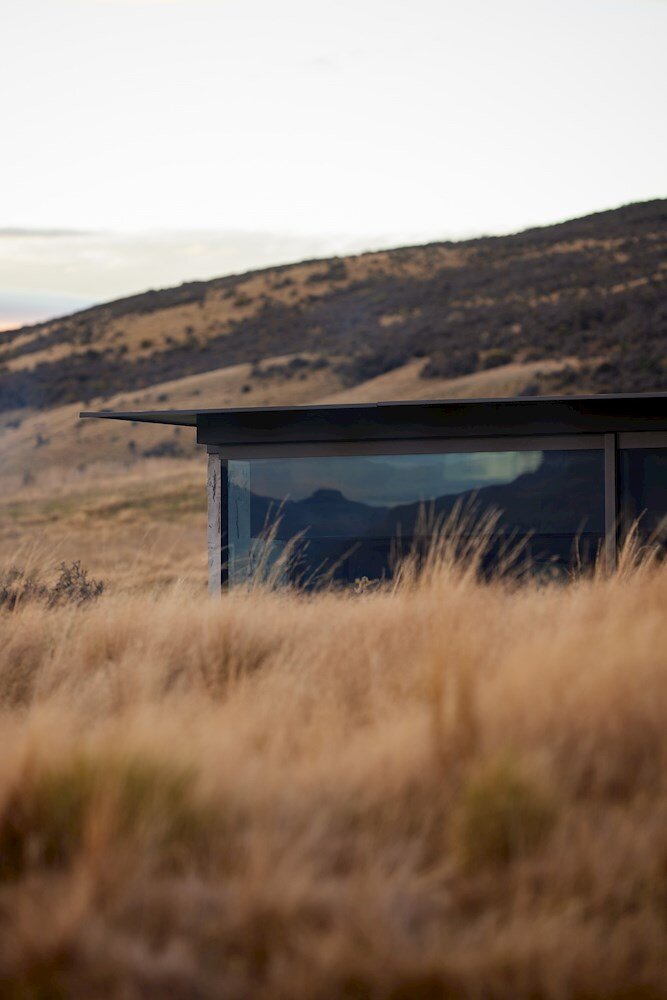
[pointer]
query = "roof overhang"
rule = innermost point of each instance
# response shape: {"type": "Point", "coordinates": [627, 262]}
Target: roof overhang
{"type": "Point", "coordinates": [415, 419]}
{"type": "Point", "coordinates": [181, 418]}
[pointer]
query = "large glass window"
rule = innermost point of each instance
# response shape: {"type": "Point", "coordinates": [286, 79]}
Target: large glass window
{"type": "Point", "coordinates": [643, 474]}
{"type": "Point", "coordinates": [349, 513]}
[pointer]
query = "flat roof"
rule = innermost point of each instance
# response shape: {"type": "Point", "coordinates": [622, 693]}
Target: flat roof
{"type": "Point", "coordinates": [412, 418]}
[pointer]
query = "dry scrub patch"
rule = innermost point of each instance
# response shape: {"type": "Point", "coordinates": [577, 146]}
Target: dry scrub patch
{"type": "Point", "coordinates": [448, 789]}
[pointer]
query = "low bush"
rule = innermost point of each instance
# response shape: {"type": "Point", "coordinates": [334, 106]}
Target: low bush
{"type": "Point", "coordinates": [73, 586]}
{"type": "Point", "coordinates": [496, 357]}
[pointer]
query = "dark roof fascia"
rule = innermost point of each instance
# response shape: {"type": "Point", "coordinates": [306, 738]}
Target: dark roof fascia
{"type": "Point", "coordinates": [453, 418]}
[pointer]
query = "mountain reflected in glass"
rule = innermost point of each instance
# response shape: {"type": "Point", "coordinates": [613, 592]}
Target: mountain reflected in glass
{"type": "Point", "coordinates": [348, 513]}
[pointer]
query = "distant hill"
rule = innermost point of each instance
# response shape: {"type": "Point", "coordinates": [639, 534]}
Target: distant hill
{"type": "Point", "coordinates": [567, 308]}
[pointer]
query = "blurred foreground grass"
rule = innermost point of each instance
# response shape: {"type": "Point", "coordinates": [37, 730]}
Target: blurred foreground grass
{"type": "Point", "coordinates": [452, 788]}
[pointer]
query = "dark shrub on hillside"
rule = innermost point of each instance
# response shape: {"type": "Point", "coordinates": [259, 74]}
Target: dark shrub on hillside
{"type": "Point", "coordinates": [336, 271]}
{"type": "Point", "coordinates": [449, 365]}
{"type": "Point", "coordinates": [497, 357]}
{"type": "Point", "coordinates": [166, 449]}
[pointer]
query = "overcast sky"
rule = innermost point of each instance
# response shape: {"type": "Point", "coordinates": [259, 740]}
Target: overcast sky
{"type": "Point", "coordinates": [291, 127]}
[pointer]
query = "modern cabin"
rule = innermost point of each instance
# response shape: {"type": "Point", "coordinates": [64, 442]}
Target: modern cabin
{"type": "Point", "coordinates": [347, 488]}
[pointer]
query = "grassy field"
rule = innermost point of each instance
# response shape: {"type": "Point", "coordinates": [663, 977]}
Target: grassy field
{"type": "Point", "coordinates": [139, 525]}
{"type": "Point", "coordinates": [446, 789]}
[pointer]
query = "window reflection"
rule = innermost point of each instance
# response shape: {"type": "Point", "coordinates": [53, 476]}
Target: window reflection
{"type": "Point", "coordinates": [348, 512]}
{"type": "Point", "coordinates": [388, 480]}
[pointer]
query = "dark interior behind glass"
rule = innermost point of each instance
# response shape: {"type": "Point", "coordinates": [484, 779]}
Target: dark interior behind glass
{"type": "Point", "coordinates": [643, 490]}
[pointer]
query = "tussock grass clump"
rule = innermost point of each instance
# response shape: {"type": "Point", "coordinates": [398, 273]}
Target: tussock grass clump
{"type": "Point", "coordinates": [448, 787]}
{"type": "Point", "coordinates": [503, 815]}
{"type": "Point", "coordinates": [49, 815]}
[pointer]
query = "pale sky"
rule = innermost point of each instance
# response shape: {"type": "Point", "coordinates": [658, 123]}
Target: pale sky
{"type": "Point", "coordinates": [286, 128]}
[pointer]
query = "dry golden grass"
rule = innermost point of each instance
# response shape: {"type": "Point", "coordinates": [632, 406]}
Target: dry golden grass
{"type": "Point", "coordinates": [449, 789]}
{"type": "Point", "coordinates": [139, 526]}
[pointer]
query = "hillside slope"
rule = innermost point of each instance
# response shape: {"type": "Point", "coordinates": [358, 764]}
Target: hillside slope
{"type": "Point", "coordinates": [581, 304]}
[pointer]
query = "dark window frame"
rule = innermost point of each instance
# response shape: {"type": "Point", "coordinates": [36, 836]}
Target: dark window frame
{"type": "Point", "coordinates": [605, 443]}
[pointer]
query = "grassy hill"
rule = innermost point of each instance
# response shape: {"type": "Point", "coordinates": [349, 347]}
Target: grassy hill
{"type": "Point", "coordinates": [577, 306]}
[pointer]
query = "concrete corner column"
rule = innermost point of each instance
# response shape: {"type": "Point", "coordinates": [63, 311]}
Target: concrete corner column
{"type": "Point", "coordinates": [216, 503]}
